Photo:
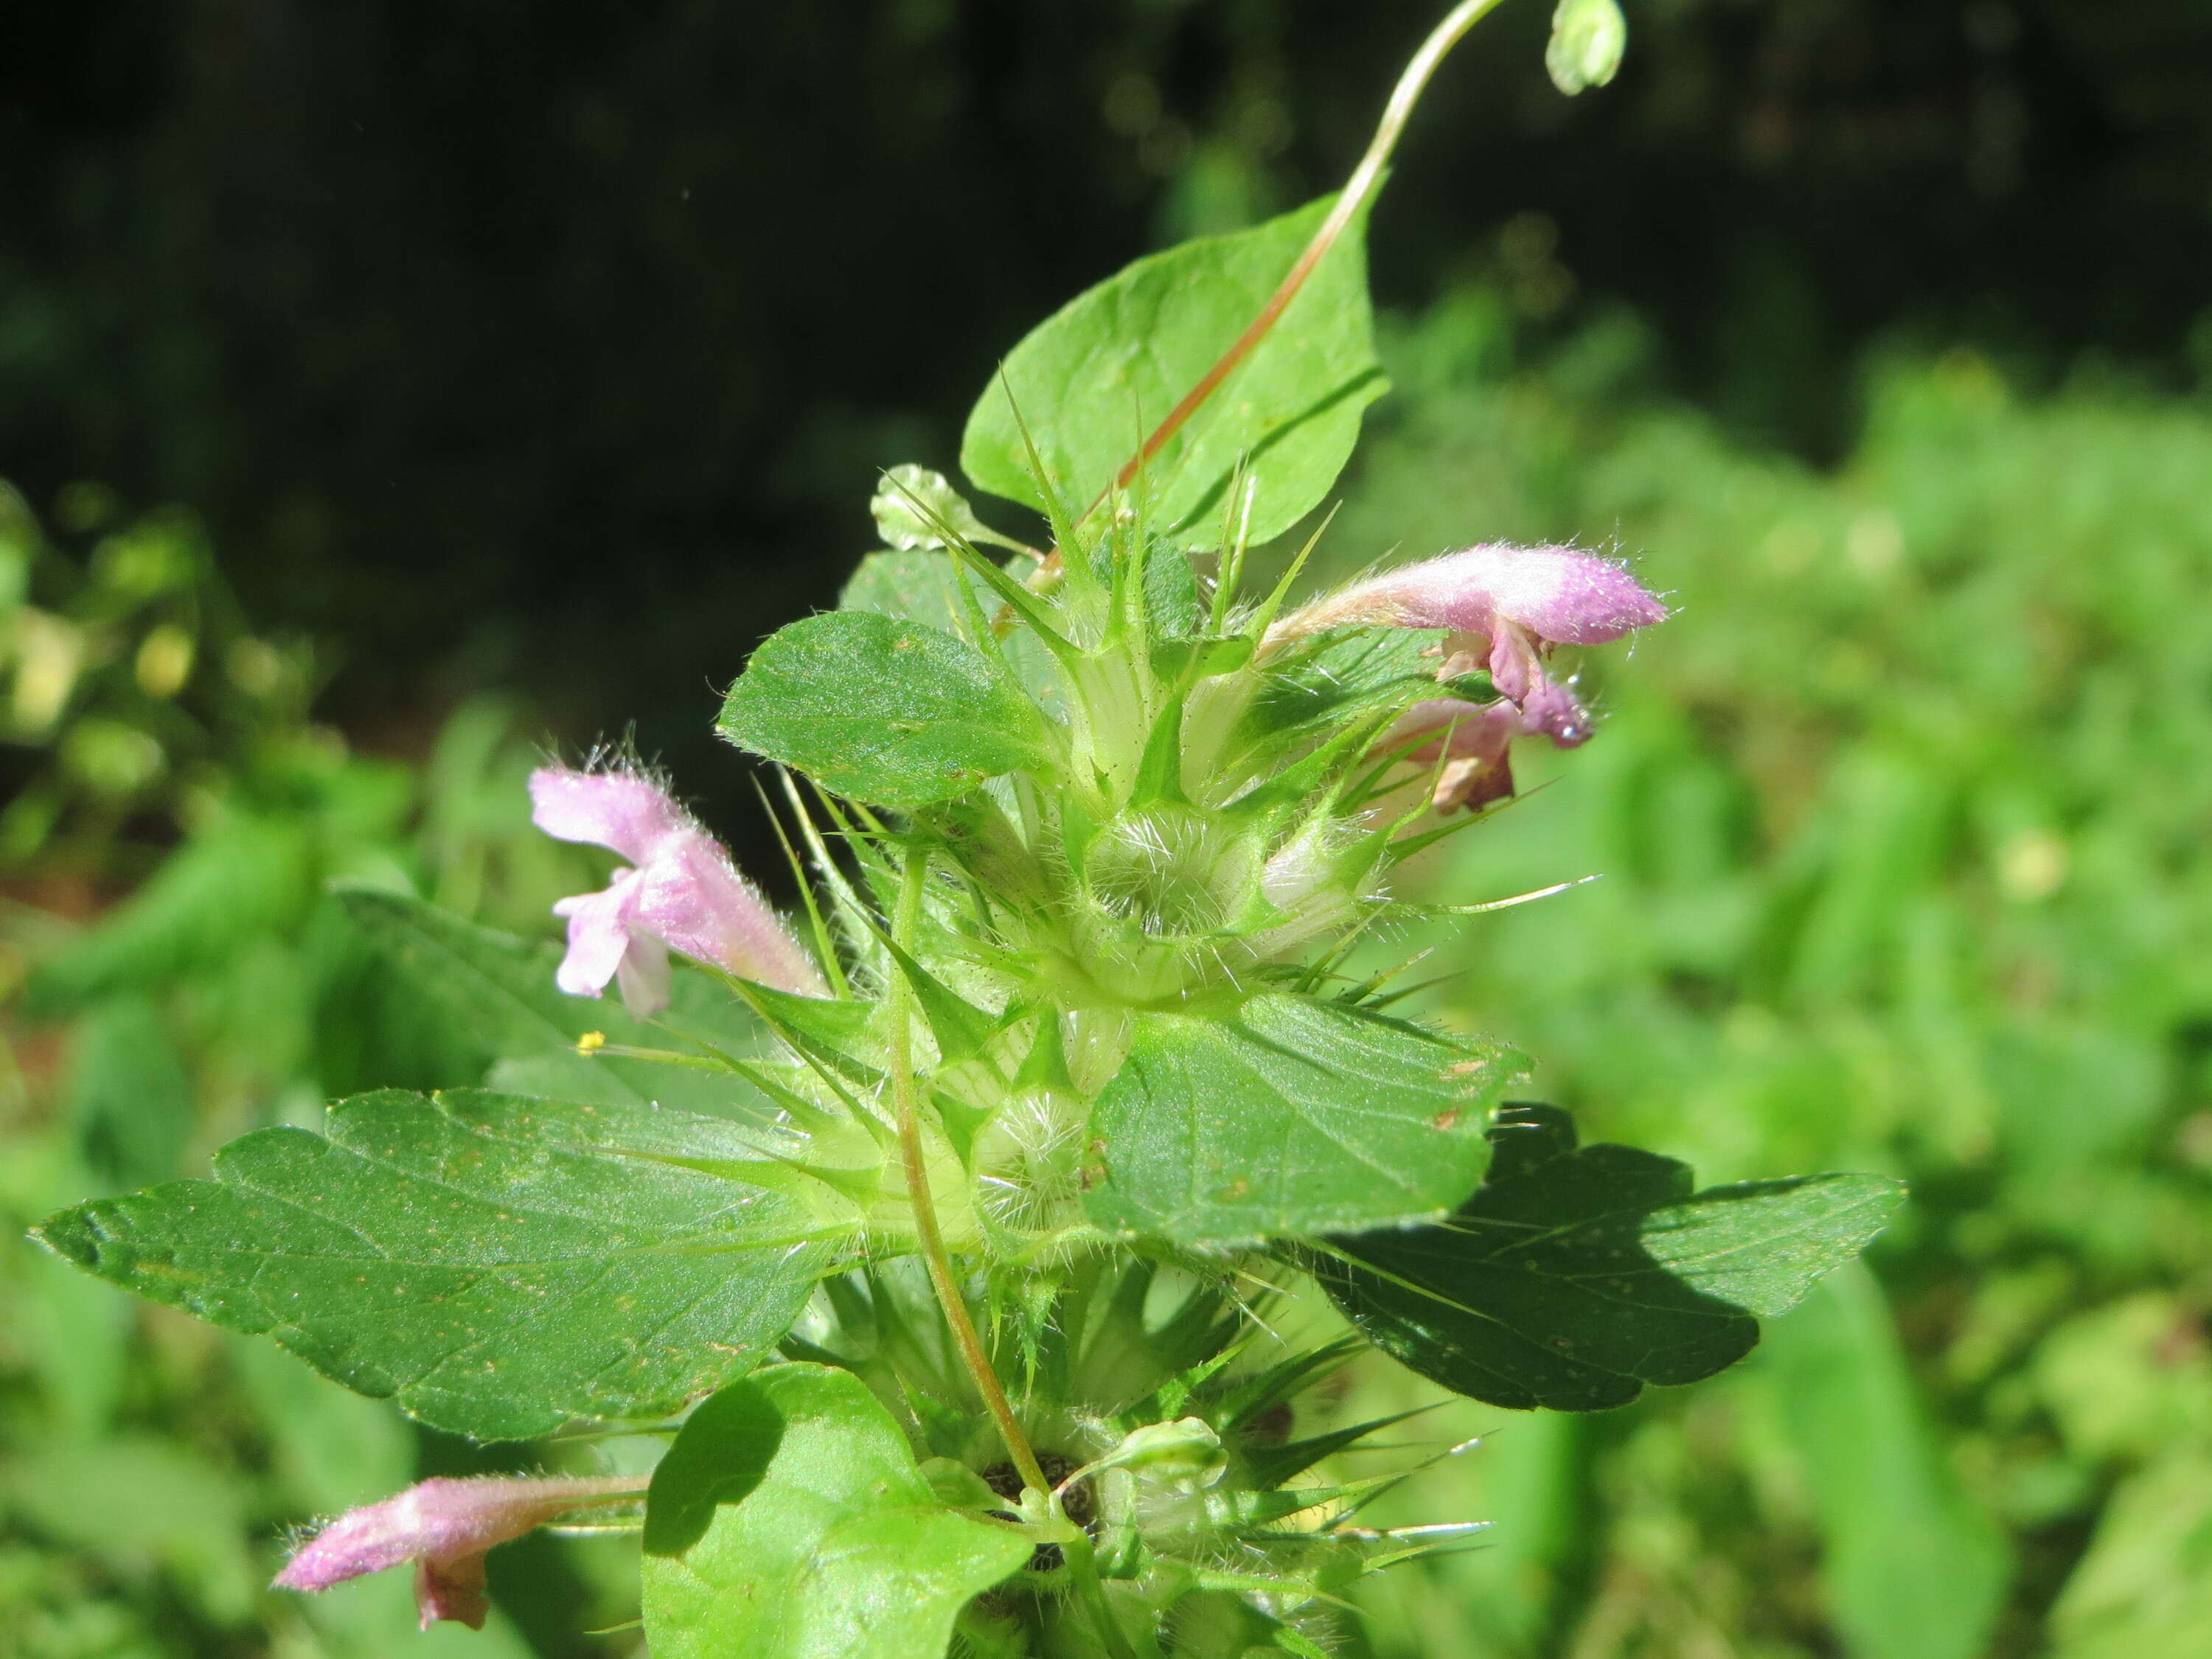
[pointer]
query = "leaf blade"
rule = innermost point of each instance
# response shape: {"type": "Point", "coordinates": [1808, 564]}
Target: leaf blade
{"type": "Point", "coordinates": [1575, 1276]}
{"type": "Point", "coordinates": [790, 1522]}
{"type": "Point", "coordinates": [1093, 377]}
{"type": "Point", "coordinates": [1295, 1117]}
{"type": "Point", "coordinates": [883, 709]}
{"type": "Point", "coordinates": [494, 1264]}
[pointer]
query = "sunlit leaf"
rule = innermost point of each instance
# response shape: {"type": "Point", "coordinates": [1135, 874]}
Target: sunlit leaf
{"type": "Point", "coordinates": [1293, 1116]}
{"type": "Point", "coordinates": [1092, 378]}
{"type": "Point", "coordinates": [494, 1264]}
{"type": "Point", "coordinates": [890, 712]}
{"type": "Point", "coordinates": [789, 1521]}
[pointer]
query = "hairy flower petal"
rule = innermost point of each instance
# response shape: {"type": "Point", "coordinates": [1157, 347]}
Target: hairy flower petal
{"type": "Point", "coordinates": [1505, 608]}
{"type": "Point", "coordinates": [598, 935]}
{"type": "Point", "coordinates": [692, 898]}
{"type": "Point", "coordinates": [1560, 595]}
{"type": "Point", "coordinates": [684, 895]}
{"type": "Point", "coordinates": [623, 811]}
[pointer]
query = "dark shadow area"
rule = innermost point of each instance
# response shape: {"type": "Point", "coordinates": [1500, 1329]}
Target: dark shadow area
{"type": "Point", "coordinates": [555, 349]}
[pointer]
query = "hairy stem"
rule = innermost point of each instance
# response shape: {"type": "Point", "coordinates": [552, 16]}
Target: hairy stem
{"type": "Point", "coordinates": [1356, 191]}
{"type": "Point", "coordinates": [932, 1242]}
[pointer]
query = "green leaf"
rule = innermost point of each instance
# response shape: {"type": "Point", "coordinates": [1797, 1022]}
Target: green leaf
{"type": "Point", "coordinates": [1573, 1277]}
{"type": "Point", "coordinates": [918, 585]}
{"type": "Point", "coordinates": [499, 991]}
{"type": "Point", "coordinates": [1171, 595]}
{"type": "Point", "coordinates": [925, 587]}
{"type": "Point", "coordinates": [887, 711]}
{"type": "Point", "coordinates": [789, 1521]}
{"type": "Point", "coordinates": [1092, 378]}
{"type": "Point", "coordinates": [494, 1264]}
{"type": "Point", "coordinates": [1292, 1117]}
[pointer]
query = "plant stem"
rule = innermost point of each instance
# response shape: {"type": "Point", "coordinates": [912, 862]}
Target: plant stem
{"type": "Point", "coordinates": [932, 1242]}
{"type": "Point", "coordinates": [1356, 191]}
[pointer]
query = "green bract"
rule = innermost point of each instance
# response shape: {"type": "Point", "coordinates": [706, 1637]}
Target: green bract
{"type": "Point", "coordinates": [1087, 847]}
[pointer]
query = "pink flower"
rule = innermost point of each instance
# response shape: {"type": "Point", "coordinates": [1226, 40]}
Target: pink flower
{"type": "Point", "coordinates": [1503, 608]}
{"type": "Point", "coordinates": [683, 894]}
{"type": "Point", "coordinates": [1471, 749]}
{"type": "Point", "coordinates": [444, 1527]}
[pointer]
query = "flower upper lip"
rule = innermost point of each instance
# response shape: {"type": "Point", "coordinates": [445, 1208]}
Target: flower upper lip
{"type": "Point", "coordinates": [1559, 595]}
{"type": "Point", "coordinates": [682, 893]}
{"type": "Point", "coordinates": [1505, 608]}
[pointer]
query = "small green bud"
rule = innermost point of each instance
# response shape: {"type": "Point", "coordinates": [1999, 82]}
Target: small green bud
{"type": "Point", "coordinates": [1186, 1450]}
{"type": "Point", "coordinates": [1588, 38]}
{"type": "Point", "coordinates": [917, 507]}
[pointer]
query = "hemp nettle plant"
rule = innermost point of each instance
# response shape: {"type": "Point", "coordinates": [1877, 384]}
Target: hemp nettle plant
{"type": "Point", "coordinates": [932, 1238]}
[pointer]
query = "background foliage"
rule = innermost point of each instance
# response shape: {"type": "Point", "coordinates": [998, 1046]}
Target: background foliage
{"type": "Point", "coordinates": [490, 353]}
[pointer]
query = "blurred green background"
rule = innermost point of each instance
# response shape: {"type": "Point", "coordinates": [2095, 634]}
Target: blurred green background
{"type": "Point", "coordinates": [392, 390]}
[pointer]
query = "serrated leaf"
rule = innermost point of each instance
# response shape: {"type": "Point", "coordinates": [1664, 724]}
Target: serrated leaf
{"type": "Point", "coordinates": [1573, 1277]}
{"type": "Point", "coordinates": [790, 1522]}
{"type": "Point", "coordinates": [925, 587]}
{"type": "Point", "coordinates": [495, 1264]}
{"type": "Point", "coordinates": [1094, 377]}
{"type": "Point", "coordinates": [891, 712]}
{"type": "Point", "coordinates": [1292, 1117]}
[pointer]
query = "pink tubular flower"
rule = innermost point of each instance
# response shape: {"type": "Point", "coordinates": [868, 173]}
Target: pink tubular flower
{"type": "Point", "coordinates": [1504, 607]}
{"type": "Point", "coordinates": [683, 894]}
{"type": "Point", "coordinates": [444, 1527]}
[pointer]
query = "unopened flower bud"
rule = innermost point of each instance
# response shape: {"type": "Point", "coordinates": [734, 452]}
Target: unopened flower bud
{"type": "Point", "coordinates": [1588, 39]}
{"type": "Point", "coordinates": [1185, 1450]}
{"type": "Point", "coordinates": [444, 1527]}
